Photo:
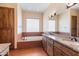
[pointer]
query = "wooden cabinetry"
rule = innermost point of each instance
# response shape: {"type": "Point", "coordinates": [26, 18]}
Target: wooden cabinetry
{"type": "Point", "coordinates": [64, 50]}
{"type": "Point", "coordinates": [50, 46]}
{"type": "Point", "coordinates": [58, 52]}
{"type": "Point", "coordinates": [7, 25]}
{"type": "Point", "coordinates": [44, 42]}
{"type": "Point", "coordinates": [54, 48]}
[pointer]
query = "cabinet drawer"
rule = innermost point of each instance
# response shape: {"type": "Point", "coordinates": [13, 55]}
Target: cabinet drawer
{"type": "Point", "coordinates": [65, 49]}
{"type": "Point", "coordinates": [49, 44]}
{"type": "Point", "coordinates": [50, 40]}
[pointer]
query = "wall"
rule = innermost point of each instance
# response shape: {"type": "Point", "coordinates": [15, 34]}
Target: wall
{"type": "Point", "coordinates": [19, 22]}
{"type": "Point", "coordinates": [27, 14]}
{"type": "Point", "coordinates": [46, 18]}
{"type": "Point", "coordinates": [45, 21]}
{"type": "Point", "coordinates": [19, 19]}
{"type": "Point", "coordinates": [64, 21]}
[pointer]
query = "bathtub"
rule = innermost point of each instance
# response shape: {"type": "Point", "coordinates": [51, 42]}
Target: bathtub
{"type": "Point", "coordinates": [29, 42]}
{"type": "Point", "coordinates": [30, 38]}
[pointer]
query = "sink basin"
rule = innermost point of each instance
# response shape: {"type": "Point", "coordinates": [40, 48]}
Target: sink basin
{"type": "Point", "coordinates": [65, 39]}
{"type": "Point", "coordinates": [71, 43]}
{"type": "Point", "coordinates": [74, 44]}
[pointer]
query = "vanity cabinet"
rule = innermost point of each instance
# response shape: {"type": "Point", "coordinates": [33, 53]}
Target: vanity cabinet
{"type": "Point", "coordinates": [50, 46]}
{"type": "Point", "coordinates": [58, 52]}
{"type": "Point", "coordinates": [55, 48]}
{"type": "Point", "coordinates": [44, 43]}
{"type": "Point", "coordinates": [47, 45]}
{"type": "Point", "coordinates": [64, 50]}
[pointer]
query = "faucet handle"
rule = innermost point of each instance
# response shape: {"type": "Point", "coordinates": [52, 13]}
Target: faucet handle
{"type": "Point", "coordinates": [74, 38]}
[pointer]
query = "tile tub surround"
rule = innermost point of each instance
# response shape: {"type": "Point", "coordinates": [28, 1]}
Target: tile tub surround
{"type": "Point", "coordinates": [30, 38]}
{"type": "Point", "coordinates": [65, 41]}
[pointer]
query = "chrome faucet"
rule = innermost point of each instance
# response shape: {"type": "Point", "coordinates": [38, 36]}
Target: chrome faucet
{"type": "Point", "coordinates": [74, 38]}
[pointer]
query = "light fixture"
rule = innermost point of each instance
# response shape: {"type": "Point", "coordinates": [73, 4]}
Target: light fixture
{"type": "Point", "coordinates": [51, 16]}
{"type": "Point", "coordinates": [70, 4]}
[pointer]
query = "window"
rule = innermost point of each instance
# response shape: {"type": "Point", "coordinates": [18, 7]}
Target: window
{"type": "Point", "coordinates": [32, 25]}
{"type": "Point", "coordinates": [51, 25]}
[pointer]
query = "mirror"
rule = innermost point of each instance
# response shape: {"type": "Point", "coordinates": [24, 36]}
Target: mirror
{"type": "Point", "coordinates": [74, 26]}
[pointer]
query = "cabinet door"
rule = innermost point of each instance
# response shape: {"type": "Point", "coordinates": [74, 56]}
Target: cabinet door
{"type": "Point", "coordinates": [44, 42]}
{"type": "Point", "coordinates": [66, 51]}
{"type": "Point", "coordinates": [1, 17]}
{"type": "Point", "coordinates": [58, 52]}
{"type": "Point", "coordinates": [49, 47]}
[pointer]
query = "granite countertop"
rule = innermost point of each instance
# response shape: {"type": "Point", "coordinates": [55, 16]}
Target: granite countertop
{"type": "Point", "coordinates": [66, 41]}
{"type": "Point", "coordinates": [3, 46]}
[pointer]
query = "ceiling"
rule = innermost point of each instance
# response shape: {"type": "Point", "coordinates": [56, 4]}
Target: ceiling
{"type": "Point", "coordinates": [41, 7]}
{"type": "Point", "coordinates": [36, 7]}
{"type": "Point", "coordinates": [56, 7]}
{"type": "Point", "coordinates": [61, 7]}
{"type": "Point", "coordinates": [76, 7]}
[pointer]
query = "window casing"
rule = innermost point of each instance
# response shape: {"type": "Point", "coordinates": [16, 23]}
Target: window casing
{"type": "Point", "coordinates": [32, 25]}
{"type": "Point", "coordinates": [51, 25]}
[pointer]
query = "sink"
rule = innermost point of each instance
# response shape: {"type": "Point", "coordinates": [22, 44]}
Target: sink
{"type": "Point", "coordinates": [74, 44]}
{"type": "Point", "coordinates": [67, 39]}
{"type": "Point", "coordinates": [71, 43]}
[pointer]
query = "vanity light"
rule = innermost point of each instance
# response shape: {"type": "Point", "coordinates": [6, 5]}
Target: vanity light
{"type": "Point", "coordinates": [70, 4]}
{"type": "Point", "coordinates": [51, 16]}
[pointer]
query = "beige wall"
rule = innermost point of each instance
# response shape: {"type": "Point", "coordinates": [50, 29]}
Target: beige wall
{"type": "Point", "coordinates": [19, 19]}
{"type": "Point", "coordinates": [45, 21]}
{"type": "Point", "coordinates": [57, 23]}
{"type": "Point", "coordinates": [55, 7]}
{"type": "Point", "coordinates": [46, 18]}
{"type": "Point", "coordinates": [27, 14]}
{"type": "Point", "coordinates": [62, 21]}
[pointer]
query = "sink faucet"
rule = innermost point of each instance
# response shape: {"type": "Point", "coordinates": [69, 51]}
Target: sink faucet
{"type": "Point", "coordinates": [74, 38]}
